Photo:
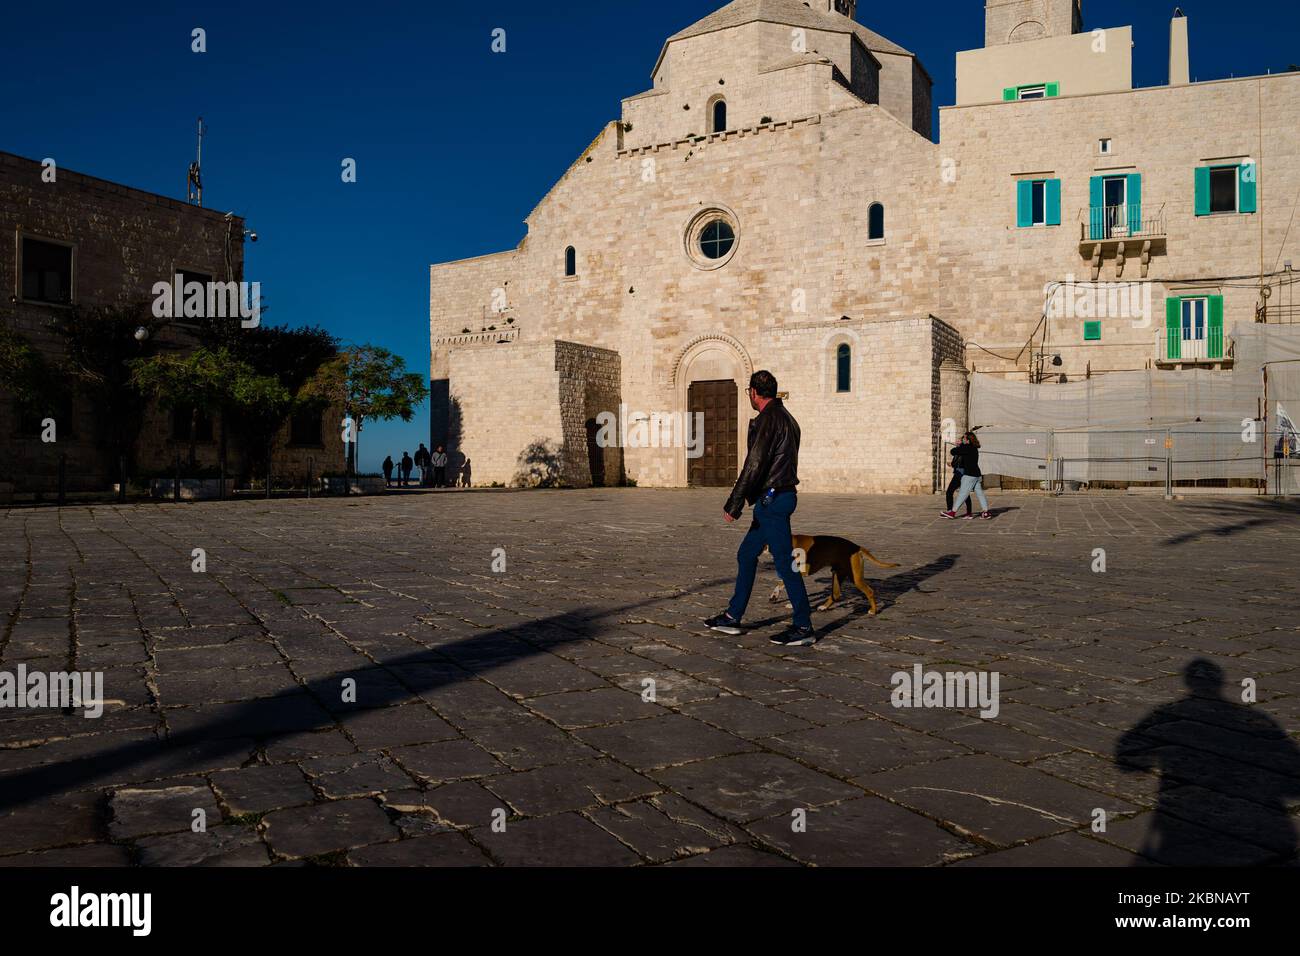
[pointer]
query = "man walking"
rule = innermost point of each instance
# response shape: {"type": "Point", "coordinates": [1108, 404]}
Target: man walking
{"type": "Point", "coordinates": [422, 462]}
{"type": "Point", "coordinates": [439, 459]}
{"type": "Point", "coordinates": [767, 481]}
{"type": "Point", "coordinates": [406, 465]}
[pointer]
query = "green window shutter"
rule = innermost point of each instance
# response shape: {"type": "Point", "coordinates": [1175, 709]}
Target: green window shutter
{"type": "Point", "coordinates": [1202, 190]}
{"type": "Point", "coordinates": [1246, 176]}
{"type": "Point", "coordinates": [1173, 327]}
{"type": "Point", "coordinates": [1096, 212]}
{"type": "Point", "coordinates": [1053, 193]}
{"type": "Point", "coordinates": [1214, 347]}
{"type": "Point", "coordinates": [1009, 93]}
{"type": "Point", "coordinates": [1134, 203]}
{"type": "Point", "coordinates": [1091, 331]}
{"type": "Point", "coordinates": [1053, 89]}
{"type": "Point", "coordinates": [1024, 203]}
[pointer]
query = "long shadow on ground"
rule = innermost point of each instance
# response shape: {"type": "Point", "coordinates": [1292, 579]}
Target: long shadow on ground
{"type": "Point", "coordinates": [1226, 771]}
{"type": "Point", "coordinates": [295, 711]}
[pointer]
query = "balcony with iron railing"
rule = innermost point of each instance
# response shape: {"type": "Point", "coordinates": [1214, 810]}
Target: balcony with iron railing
{"type": "Point", "coordinates": [1203, 346]}
{"type": "Point", "coordinates": [1122, 232]}
{"type": "Point", "coordinates": [1118, 223]}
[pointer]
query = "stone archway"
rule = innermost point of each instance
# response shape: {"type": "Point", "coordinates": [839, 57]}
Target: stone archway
{"type": "Point", "coordinates": [711, 358]}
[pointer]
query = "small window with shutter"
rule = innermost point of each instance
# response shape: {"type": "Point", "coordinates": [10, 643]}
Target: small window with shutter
{"type": "Point", "coordinates": [1225, 189]}
{"type": "Point", "coordinates": [1038, 202]}
{"type": "Point", "coordinates": [1032, 91]}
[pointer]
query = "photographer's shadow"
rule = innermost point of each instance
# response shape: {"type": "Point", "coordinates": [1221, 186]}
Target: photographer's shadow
{"type": "Point", "coordinates": [1203, 786]}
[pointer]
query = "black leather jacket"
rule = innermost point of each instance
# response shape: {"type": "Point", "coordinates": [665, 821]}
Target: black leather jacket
{"type": "Point", "coordinates": [772, 460]}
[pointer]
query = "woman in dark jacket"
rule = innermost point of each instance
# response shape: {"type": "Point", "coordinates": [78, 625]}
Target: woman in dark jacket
{"type": "Point", "coordinates": [957, 472]}
{"type": "Point", "coordinates": [972, 479]}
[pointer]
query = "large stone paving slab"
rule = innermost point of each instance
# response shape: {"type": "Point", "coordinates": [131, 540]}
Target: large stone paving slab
{"type": "Point", "coordinates": [663, 741]}
{"type": "Point", "coordinates": [751, 786]}
{"type": "Point", "coordinates": [994, 799]}
{"type": "Point", "coordinates": [324, 697]}
{"type": "Point", "coordinates": [867, 831]}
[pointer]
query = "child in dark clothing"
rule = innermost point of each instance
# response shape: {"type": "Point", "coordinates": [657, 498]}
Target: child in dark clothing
{"type": "Point", "coordinates": [956, 476]}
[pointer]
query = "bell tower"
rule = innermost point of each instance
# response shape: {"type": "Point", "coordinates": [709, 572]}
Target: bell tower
{"type": "Point", "coordinates": [845, 7]}
{"type": "Point", "coordinates": [1014, 21]}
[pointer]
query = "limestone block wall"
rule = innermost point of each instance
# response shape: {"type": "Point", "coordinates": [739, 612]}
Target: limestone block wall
{"type": "Point", "coordinates": [588, 381]}
{"type": "Point", "coordinates": [731, 63]}
{"type": "Point", "coordinates": [864, 81]}
{"type": "Point", "coordinates": [949, 391]}
{"type": "Point", "coordinates": [879, 437]}
{"type": "Point", "coordinates": [993, 273]}
{"type": "Point", "coordinates": [158, 450]}
{"type": "Point", "coordinates": [800, 194]}
{"type": "Point", "coordinates": [526, 408]}
{"type": "Point", "coordinates": [694, 70]}
{"type": "Point", "coordinates": [1011, 21]}
{"type": "Point", "coordinates": [505, 410]}
{"type": "Point", "coordinates": [905, 90]}
{"type": "Point", "coordinates": [471, 294]}
{"type": "Point", "coordinates": [123, 240]}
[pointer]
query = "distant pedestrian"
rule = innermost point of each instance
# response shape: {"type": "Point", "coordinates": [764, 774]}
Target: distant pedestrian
{"type": "Point", "coordinates": [422, 462]}
{"type": "Point", "coordinates": [439, 459]}
{"type": "Point", "coordinates": [957, 472]}
{"type": "Point", "coordinates": [388, 471]}
{"type": "Point", "coordinates": [465, 477]}
{"type": "Point", "coordinates": [972, 479]}
{"type": "Point", "coordinates": [407, 465]}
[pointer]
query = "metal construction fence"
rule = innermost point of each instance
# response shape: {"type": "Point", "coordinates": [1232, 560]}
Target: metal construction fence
{"type": "Point", "coordinates": [1215, 454]}
{"type": "Point", "coordinates": [1226, 428]}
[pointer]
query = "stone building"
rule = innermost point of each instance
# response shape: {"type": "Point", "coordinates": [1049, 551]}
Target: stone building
{"type": "Point", "coordinates": [68, 239]}
{"type": "Point", "coordinates": [775, 199]}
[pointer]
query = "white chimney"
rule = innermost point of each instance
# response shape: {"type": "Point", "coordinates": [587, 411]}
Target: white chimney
{"type": "Point", "coordinates": [1180, 70]}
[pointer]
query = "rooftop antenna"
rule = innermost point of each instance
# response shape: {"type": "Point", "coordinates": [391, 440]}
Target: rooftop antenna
{"type": "Point", "coordinates": [194, 186]}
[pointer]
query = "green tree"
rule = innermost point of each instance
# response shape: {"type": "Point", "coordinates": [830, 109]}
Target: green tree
{"type": "Point", "coordinates": [99, 344]}
{"type": "Point", "coordinates": [369, 383]}
{"type": "Point", "coordinates": [291, 355]}
{"type": "Point", "coordinates": [212, 381]}
{"type": "Point", "coordinates": [23, 370]}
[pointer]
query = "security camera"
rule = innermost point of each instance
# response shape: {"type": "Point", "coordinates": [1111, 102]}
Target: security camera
{"type": "Point", "coordinates": [252, 237]}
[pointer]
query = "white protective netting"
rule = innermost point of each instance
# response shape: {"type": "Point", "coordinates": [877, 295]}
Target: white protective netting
{"type": "Point", "coordinates": [1283, 403]}
{"type": "Point", "coordinates": [1136, 426]}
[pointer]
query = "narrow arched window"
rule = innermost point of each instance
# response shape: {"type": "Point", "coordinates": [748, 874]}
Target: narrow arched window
{"type": "Point", "coordinates": [876, 221]}
{"type": "Point", "coordinates": [570, 261]}
{"type": "Point", "coordinates": [843, 368]}
{"type": "Point", "coordinates": [719, 116]}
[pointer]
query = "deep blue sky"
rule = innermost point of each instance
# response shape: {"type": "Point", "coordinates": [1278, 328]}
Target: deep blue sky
{"type": "Point", "coordinates": [454, 144]}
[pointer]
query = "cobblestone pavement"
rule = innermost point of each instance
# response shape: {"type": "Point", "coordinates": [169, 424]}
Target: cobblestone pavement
{"type": "Point", "coordinates": [519, 697]}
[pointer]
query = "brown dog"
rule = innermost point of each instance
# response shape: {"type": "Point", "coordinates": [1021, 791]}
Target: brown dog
{"type": "Point", "coordinates": [842, 556]}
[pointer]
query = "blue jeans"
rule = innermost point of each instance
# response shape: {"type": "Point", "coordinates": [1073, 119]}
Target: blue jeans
{"type": "Point", "coordinates": [969, 485]}
{"type": "Point", "coordinates": [771, 527]}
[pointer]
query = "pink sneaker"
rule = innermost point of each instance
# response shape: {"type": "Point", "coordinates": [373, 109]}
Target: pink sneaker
{"type": "Point", "coordinates": [948, 514]}
{"type": "Point", "coordinates": [985, 515]}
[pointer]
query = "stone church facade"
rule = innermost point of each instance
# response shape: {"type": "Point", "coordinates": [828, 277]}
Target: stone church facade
{"type": "Point", "coordinates": [776, 200]}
